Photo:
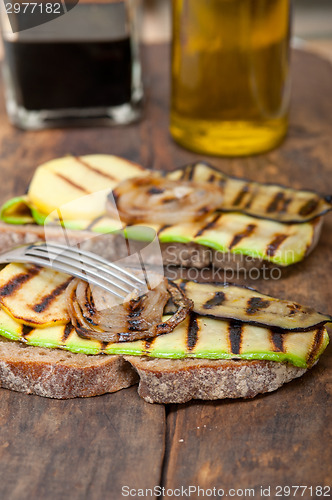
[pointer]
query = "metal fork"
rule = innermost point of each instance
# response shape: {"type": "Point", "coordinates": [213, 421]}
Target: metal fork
{"type": "Point", "coordinates": [79, 263]}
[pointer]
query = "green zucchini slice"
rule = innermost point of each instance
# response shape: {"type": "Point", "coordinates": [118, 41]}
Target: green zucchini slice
{"type": "Point", "coordinates": [196, 337]}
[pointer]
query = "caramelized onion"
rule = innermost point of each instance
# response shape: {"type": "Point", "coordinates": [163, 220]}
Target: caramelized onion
{"type": "Point", "coordinates": [158, 200]}
{"type": "Point", "coordinates": [96, 314]}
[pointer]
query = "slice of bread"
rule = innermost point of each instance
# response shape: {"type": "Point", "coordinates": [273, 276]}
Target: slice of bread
{"type": "Point", "coordinates": [59, 374]}
{"type": "Point", "coordinates": [180, 380]}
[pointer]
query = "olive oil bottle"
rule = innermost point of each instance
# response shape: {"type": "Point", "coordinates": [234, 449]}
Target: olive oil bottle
{"type": "Point", "coordinates": [230, 75]}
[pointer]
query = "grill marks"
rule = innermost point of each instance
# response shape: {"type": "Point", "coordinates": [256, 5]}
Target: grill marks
{"type": "Point", "coordinates": [274, 204]}
{"type": "Point", "coordinates": [255, 304]}
{"type": "Point", "coordinates": [72, 183]}
{"type": "Point", "coordinates": [19, 280]}
{"type": "Point", "coordinates": [47, 300]}
{"type": "Point", "coordinates": [34, 295]}
{"type": "Point", "coordinates": [135, 309]}
{"type": "Point", "coordinates": [25, 331]}
{"type": "Point", "coordinates": [279, 203]}
{"type": "Point", "coordinates": [162, 228]}
{"type": "Point", "coordinates": [67, 331]}
{"type": "Point", "coordinates": [95, 169]}
{"type": "Point", "coordinates": [90, 306]}
{"type": "Point", "coordinates": [309, 207]}
{"type": "Point", "coordinates": [155, 190]}
{"type": "Point", "coordinates": [273, 246]}
{"type": "Point", "coordinates": [148, 344]}
{"type": "Point", "coordinates": [235, 336]}
{"type": "Point", "coordinates": [188, 173]}
{"type": "Point", "coordinates": [239, 197]}
{"type": "Point", "coordinates": [192, 332]}
{"type": "Point", "coordinates": [266, 201]}
{"type": "Point", "coordinates": [103, 346]}
{"type": "Point", "coordinates": [208, 226]}
{"type": "Point", "coordinates": [217, 300]}
{"type": "Point", "coordinates": [316, 345]}
{"type": "Point", "coordinates": [248, 231]}
{"type": "Point", "coordinates": [277, 340]}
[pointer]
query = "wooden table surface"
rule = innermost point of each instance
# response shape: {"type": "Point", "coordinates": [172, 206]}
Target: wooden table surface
{"type": "Point", "coordinates": [92, 448]}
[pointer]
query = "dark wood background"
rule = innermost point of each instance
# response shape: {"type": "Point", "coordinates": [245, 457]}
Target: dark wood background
{"type": "Point", "coordinates": [90, 448]}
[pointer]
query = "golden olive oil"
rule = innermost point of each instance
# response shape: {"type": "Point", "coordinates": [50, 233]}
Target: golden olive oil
{"type": "Point", "coordinates": [230, 75]}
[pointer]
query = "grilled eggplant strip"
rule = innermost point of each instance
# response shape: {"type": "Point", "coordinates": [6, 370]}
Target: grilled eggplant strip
{"type": "Point", "coordinates": [265, 201]}
{"type": "Point", "coordinates": [139, 317]}
{"type": "Point", "coordinates": [154, 199]}
{"type": "Point", "coordinates": [239, 303]}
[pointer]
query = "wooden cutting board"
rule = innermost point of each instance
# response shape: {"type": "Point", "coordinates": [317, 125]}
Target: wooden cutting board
{"type": "Point", "coordinates": [91, 448]}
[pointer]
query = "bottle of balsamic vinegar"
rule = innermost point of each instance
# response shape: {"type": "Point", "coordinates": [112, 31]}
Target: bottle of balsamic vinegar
{"type": "Point", "coordinates": [72, 67]}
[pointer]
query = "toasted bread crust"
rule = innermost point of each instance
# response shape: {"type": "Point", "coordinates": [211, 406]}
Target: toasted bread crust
{"type": "Point", "coordinates": [180, 380]}
{"type": "Point", "coordinates": [59, 374]}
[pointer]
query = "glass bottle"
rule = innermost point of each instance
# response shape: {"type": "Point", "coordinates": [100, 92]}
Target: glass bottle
{"type": "Point", "coordinates": [71, 63]}
{"type": "Point", "coordinates": [230, 75]}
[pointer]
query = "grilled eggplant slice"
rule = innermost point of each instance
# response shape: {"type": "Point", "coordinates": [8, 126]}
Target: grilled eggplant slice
{"type": "Point", "coordinates": [240, 303]}
{"type": "Point", "coordinates": [266, 201]}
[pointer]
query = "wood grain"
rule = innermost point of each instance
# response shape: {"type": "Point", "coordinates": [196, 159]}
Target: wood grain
{"type": "Point", "coordinates": [90, 448]}
{"type": "Point", "coordinates": [79, 448]}
{"type": "Point", "coordinates": [277, 439]}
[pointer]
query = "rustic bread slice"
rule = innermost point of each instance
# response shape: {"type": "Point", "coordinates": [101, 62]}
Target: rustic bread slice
{"type": "Point", "coordinates": [55, 373]}
{"type": "Point", "coordinates": [180, 380]}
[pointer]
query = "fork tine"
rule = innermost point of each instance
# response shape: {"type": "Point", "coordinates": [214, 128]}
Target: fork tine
{"type": "Point", "coordinates": [65, 268]}
{"type": "Point", "coordinates": [85, 270]}
{"type": "Point", "coordinates": [73, 257]}
{"type": "Point", "coordinates": [94, 258]}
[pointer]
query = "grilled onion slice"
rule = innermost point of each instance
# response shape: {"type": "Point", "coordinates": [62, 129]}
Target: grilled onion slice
{"type": "Point", "coordinates": [97, 315]}
{"type": "Point", "coordinates": [157, 200]}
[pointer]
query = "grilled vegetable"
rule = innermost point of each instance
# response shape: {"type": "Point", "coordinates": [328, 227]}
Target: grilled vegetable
{"type": "Point", "coordinates": [33, 295]}
{"type": "Point", "coordinates": [60, 182]}
{"type": "Point", "coordinates": [228, 301]}
{"type": "Point", "coordinates": [98, 315]}
{"type": "Point", "coordinates": [267, 201]}
{"type": "Point", "coordinates": [196, 337]}
{"type": "Point", "coordinates": [263, 230]}
{"type": "Point", "coordinates": [156, 200]}
{"type": "Point", "coordinates": [283, 244]}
